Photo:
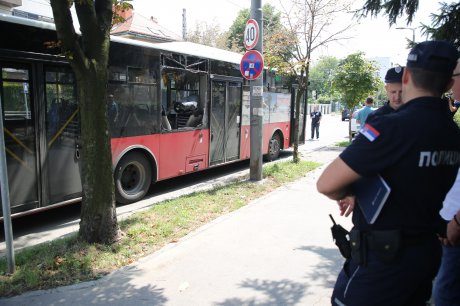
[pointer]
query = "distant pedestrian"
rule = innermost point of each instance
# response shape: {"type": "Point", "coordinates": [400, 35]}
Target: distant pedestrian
{"type": "Point", "coordinates": [365, 111]}
{"type": "Point", "coordinates": [315, 116]}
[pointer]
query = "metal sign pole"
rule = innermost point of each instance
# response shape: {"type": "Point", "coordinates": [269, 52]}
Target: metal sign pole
{"type": "Point", "coordinates": [256, 116]}
{"type": "Point", "coordinates": [4, 190]}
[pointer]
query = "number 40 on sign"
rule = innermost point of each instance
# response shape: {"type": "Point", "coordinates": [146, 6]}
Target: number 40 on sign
{"type": "Point", "coordinates": [251, 34]}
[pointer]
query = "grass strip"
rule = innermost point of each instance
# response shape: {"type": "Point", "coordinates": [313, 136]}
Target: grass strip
{"type": "Point", "coordinates": [69, 260]}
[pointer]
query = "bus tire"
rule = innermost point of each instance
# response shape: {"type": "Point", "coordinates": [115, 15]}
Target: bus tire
{"type": "Point", "coordinates": [133, 177]}
{"type": "Point", "coordinates": [274, 147]}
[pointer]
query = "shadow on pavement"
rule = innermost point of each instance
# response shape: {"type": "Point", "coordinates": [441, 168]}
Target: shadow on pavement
{"type": "Point", "coordinates": [283, 292]}
{"type": "Point", "coordinates": [112, 291]}
{"type": "Point", "coordinates": [326, 271]}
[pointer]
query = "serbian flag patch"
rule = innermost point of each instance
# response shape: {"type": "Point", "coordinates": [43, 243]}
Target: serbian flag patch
{"type": "Point", "coordinates": [369, 132]}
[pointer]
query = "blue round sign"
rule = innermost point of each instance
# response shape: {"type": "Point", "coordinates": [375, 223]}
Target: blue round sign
{"type": "Point", "coordinates": [252, 65]}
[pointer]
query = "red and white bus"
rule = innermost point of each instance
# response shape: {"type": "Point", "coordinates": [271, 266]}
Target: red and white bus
{"type": "Point", "coordinates": [174, 108]}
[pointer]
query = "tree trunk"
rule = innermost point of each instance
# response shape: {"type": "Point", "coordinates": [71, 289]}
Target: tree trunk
{"type": "Point", "coordinates": [98, 214]}
{"type": "Point", "coordinates": [298, 99]}
{"type": "Point", "coordinates": [350, 137]}
{"type": "Point", "coordinates": [88, 55]}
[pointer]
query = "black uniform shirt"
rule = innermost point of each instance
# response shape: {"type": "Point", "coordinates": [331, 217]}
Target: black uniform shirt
{"type": "Point", "coordinates": [417, 151]}
{"type": "Point", "coordinates": [385, 109]}
{"type": "Point", "coordinates": [315, 117]}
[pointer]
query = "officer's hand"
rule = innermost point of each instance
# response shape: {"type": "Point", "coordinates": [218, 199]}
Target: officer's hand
{"type": "Point", "coordinates": [346, 205]}
{"type": "Point", "coordinates": [444, 241]}
{"type": "Point", "coordinates": [453, 232]}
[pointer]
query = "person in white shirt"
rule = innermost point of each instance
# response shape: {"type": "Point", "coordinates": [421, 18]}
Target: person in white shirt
{"type": "Point", "coordinates": [447, 285]}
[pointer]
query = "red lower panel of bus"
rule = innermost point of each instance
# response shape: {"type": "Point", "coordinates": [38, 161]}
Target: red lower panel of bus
{"type": "Point", "coordinates": [175, 153]}
{"type": "Point", "coordinates": [182, 152]}
{"type": "Point", "coordinates": [268, 131]}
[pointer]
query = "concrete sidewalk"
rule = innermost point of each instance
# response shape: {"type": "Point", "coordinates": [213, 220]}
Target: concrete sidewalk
{"type": "Point", "coordinates": [277, 250]}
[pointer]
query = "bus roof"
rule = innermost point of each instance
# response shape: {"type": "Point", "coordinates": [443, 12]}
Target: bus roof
{"type": "Point", "coordinates": [201, 51]}
{"type": "Point", "coordinates": [179, 47]}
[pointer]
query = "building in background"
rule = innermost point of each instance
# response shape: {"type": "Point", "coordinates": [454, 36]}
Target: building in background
{"type": "Point", "coordinates": [142, 28]}
{"type": "Point", "coordinates": [135, 25]}
{"type": "Point", "coordinates": [6, 6]}
{"type": "Point", "coordinates": [383, 64]}
{"type": "Point", "coordinates": [30, 9]}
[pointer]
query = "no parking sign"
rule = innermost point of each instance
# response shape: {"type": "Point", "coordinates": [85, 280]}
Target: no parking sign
{"type": "Point", "coordinates": [252, 65]}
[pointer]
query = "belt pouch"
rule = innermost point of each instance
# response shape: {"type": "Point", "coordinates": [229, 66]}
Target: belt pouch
{"type": "Point", "coordinates": [386, 244]}
{"type": "Point", "coordinates": [355, 244]}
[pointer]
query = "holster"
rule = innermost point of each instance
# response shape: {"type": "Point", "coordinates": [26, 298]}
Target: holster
{"type": "Point", "coordinates": [358, 249]}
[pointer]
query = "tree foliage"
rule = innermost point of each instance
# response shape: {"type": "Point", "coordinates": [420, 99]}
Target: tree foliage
{"type": "Point", "coordinates": [277, 40]}
{"type": "Point", "coordinates": [278, 49]}
{"type": "Point", "coordinates": [321, 75]}
{"type": "Point", "coordinates": [445, 24]}
{"type": "Point", "coordinates": [355, 79]}
{"type": "Point", "coordinates": [271, 23]}
{"type": "Point", "coordinates": [88, 55]}
{"type": "Point", "coordinates": [208, 34]}
{"type": "Point", "coordinates": [392, 8]}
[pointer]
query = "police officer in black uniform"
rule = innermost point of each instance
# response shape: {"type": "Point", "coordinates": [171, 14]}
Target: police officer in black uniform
{"type": "Point", "coordinates": [393, 87]}
{"type": "Point", "coordinates": [315, 116]}
{"type": "Point", "coordinates": [417, 152]}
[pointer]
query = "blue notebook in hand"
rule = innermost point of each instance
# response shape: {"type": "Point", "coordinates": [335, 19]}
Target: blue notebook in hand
{"type": "Point", "coordinates": [371, 194]}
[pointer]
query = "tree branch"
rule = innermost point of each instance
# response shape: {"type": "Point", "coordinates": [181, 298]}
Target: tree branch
{"type": "Point", "coordinates": [69, 39]}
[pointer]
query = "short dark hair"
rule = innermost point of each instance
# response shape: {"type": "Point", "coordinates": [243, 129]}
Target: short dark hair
{"type": "Point", "coordinates": [435, 82]}
{"type": "Point", "coordinates": [369, 100]}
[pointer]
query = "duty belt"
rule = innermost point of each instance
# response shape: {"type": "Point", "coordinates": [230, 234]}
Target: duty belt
{"type": "Point", "coordinates": [386, 244]}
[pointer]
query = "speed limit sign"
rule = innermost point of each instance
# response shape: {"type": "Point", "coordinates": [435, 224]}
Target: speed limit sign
{"type": "Point", "coordinates": [251, 34]}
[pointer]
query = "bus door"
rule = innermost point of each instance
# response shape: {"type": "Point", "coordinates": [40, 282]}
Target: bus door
{"type": "Point", "coordinates": [41, 129]}
{"type": "Point", "coordinates": [19, 127]}
{"type": "Point", "coordinates": [226, 95]}
{"type": "Point", "coordinates": [61, 148]}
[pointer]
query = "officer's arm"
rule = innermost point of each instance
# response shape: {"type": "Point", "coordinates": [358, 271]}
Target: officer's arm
{"type": "Point", "coordinates": [335, 180]}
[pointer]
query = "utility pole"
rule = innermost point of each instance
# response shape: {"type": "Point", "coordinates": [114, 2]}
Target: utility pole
{"type": "Point", "coordinates": [184, 24]}
{"type": "Point", "coordinates": [407, 28]}
{"type": "Point", "coordinates": [256, 108]}
{"type": "Point", "coordinates": [5, 196]}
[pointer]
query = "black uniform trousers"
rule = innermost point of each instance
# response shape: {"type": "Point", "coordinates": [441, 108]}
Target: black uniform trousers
{"type": "Point", "coordinates": [406, 281]}
{"type": "Point", "coordinates": [315, 127]}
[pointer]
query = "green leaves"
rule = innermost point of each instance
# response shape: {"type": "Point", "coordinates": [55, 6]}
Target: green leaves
{"type": "Point", "coordinates": [445, 24]}
{"type": "Point", "coordinates": [355, 79]}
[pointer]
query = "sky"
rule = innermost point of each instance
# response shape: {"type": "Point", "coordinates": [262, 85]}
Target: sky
{"type": "Point", "coordinates": [372, 36]}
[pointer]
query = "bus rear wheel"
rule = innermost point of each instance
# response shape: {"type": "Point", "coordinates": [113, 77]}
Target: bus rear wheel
{"type": "Point", "coordinates": [133, 177]}
{"type": "Point", "coordinates": [274, 147]}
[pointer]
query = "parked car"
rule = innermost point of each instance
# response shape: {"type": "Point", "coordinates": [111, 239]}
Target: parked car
{"type": "Point", "coordinates": [346, 114]}
{"type": "Point", "coordinates": [354, 125]}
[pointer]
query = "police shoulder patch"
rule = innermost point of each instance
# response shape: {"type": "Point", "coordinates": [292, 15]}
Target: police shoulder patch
{"type": "Point", "coordinates": [369, 132]}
